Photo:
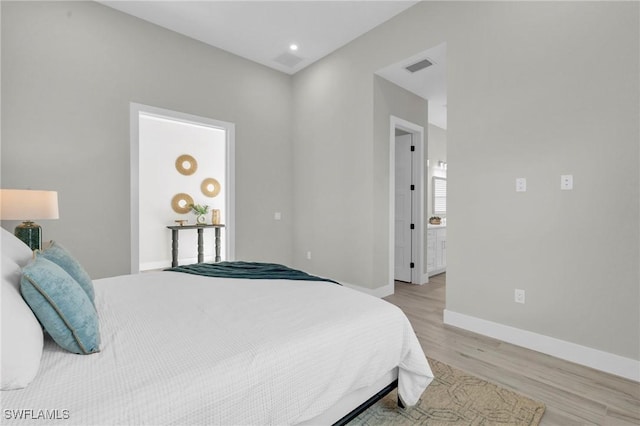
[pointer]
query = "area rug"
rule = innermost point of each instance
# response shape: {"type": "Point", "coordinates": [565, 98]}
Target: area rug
{"type": "Point", "coordinates": [455, 398]}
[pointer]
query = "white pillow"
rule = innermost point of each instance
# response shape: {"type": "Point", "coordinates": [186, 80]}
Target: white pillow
{"type": "Point", "coordinates": [21, 334]}
{"type": "Point", "coordinates": [15, 249]}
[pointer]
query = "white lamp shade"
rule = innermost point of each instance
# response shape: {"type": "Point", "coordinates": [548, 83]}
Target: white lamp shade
{"type": "Point", "coordinates": [27, 204]}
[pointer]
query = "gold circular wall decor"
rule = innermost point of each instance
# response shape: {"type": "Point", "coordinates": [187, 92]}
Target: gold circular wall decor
{"type": "Point", "coordinates": [186, 164]}
{"type": "Point", "coordinates": [210, 187]}
{"type": "Point", "coordinates": [181, 203]}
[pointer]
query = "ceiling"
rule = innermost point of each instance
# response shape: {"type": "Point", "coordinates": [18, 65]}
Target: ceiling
{"type": "Point", "coordinates": [262, 31]}
{"type": "Point", "coordinates": [429, 83]}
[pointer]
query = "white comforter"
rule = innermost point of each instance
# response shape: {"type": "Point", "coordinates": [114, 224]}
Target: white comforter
{"type": "Point", "coordinates": [180, 348]}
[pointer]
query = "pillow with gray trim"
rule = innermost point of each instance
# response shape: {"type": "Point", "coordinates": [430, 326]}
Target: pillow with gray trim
{"type": "Point", "coordinates": [61, 256]}
{"type": "Point", "coordinates": [61, 305]}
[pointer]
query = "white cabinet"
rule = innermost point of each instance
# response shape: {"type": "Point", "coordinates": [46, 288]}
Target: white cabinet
{"type": "Point", "coordinates": [441, 250]}
{"type": "Point", "coordinates": [431, 250]}
{"type": "Point", "coordinates": [436, 250]}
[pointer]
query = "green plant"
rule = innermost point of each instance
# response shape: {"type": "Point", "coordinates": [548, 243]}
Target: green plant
{"type": "Point", "coordinates": [198, 209]}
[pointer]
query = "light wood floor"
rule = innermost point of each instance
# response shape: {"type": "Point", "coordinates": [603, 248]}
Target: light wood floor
{"type": "Point", "coordinates": [573, 394]}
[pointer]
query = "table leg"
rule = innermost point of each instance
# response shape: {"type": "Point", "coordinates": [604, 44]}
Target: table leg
{"type": "Point", "coordinates": [200, 245]}
{"type": "Point", "coordinates": [174, 248]}
{"type": "Point", "coordinates": [217, 231]}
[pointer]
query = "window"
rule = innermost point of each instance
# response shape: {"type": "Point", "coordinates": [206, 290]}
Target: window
{"type": "Point", "coordinates": [439, 195]}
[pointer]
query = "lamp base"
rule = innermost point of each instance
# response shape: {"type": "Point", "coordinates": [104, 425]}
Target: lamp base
{"type": "Point", "coordinates": [30, 233]}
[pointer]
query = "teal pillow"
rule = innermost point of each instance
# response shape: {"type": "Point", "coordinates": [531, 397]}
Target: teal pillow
{"type": "Point", "coordinates": [61, 306]}
{"type": "Point", "coordinates": [61, 257]}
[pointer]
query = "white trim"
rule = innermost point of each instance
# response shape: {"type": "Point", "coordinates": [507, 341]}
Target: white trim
{"type": "Point", "coordinates": [384, 291]}
{"type": "Point", "coordinates": [134, 178]}
{"type": "Point", "coordinates": [134, 112]}
{"type": "Point", "coordinates": [230, 226]}
{"type": "Point", "coordinates": [150, 266]}
{"type": "Point", "coordinates": [417, 275]}
{"type": "Point", "coordinates": [436, 271]}
{"type": "Point", "coordinates": [583, 355]}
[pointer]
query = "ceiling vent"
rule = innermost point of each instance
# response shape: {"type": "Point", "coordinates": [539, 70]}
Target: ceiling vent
{"type": "Point", "coordinates": [419, 65]}
{"type": "Point", "coordinates": [288, 60]}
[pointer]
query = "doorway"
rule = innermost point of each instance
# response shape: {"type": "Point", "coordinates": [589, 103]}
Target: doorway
{"type": "Point", "coordinates": [173, 156]}
{"type": "Point", "coordinates": [406, 176]}
{"type": "Point", "coordinates": [404, 220]}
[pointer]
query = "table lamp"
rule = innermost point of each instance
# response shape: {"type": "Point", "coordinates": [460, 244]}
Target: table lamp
{"type": "Point", "coordinates": [28, 205]}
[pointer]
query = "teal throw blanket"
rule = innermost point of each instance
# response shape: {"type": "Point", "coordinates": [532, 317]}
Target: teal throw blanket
{"type": "Point", "coordinates": [251, 270]}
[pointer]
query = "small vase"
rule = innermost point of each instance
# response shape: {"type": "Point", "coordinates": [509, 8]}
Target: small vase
{"type": "Point", "coordinates": [200, 220]}
{"type": "Point", "coordinates": [215, 217]}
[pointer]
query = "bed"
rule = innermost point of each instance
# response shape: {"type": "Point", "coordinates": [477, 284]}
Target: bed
{"type": "Point", "coordinates": [180, 348]}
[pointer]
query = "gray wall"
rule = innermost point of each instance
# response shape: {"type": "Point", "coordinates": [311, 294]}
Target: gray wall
{"type": "Point", "coordinates": [535, 90]}
{"type": "Point", "coordinates": [69, 72]}
{"type": "Point", "coordinates": [389, 99]}
{"type": "Point", "coordinates": [333, 166]}
{"type": "Point", "coordinates": [341, 165]}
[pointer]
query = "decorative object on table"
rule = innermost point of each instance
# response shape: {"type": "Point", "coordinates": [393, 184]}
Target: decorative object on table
{"type": "Point", "coordinates": [186, 165]}
{"type": "Point", "coordinates": [181, 203]}
{"type": "Point", "coordinates": [215, 217]}
{"type": "Point", "coordinates": [28, 205]}
{"type": "Point", "coordinates": [200, 211]}
{"type": "Point", "coordinates": [435, 220]}
{"type": "Point", "coordinates": [210, 187]}
{"type": "Point", "coordinates": [181, 222]}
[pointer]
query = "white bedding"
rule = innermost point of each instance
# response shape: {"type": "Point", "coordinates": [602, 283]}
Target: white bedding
{"type": "Point", "coordinates": [186, 349]}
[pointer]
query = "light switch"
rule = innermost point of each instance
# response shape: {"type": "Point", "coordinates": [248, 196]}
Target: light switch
{"type": "Point", "coordinates": [277, 215]}
{"type": "Point", "coordinates": [521, 185]}
{"type": "Point", "coordinates": [566, 182]}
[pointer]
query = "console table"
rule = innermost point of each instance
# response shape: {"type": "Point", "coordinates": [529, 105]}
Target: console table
{"type": "Point", "coordinates": [174, 241]}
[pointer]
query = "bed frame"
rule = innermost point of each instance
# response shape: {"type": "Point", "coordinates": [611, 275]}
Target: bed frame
{"type": "Point", "coordinates": [352, 405]}
{"type": "Point", "coordinates": [368, 403]}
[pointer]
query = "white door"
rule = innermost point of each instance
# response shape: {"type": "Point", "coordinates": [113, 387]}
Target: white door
{"type": "Point", "coordinates": [403, 208]}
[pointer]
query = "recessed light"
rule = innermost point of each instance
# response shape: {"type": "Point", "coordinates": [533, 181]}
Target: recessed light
{"type": "Point", "coordinates": [293, 47]}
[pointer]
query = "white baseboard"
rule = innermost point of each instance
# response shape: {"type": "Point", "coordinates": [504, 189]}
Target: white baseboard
{"type": "Point", "coordinates": [436, 271]}
{"type": "Point", "coordinates": [583, 355]}
{"type": "Point", "coordinates": [384, 291]}
{"type": "Point", "coordinates": [162, 264]}
{"type": "Point", "coordinates": [149, 266]}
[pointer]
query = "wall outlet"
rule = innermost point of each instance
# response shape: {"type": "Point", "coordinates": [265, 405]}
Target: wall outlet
{"type": "Point", "coordinates": [519, 296]}
{"type": "Point", "coordinates": [308, 255]}
{"type": "Point", "coordinates": [277, 215]}
{"type": "Point", "coordinates": [521, 185]}
{"type": "Point", "coordinates": [566, 182]}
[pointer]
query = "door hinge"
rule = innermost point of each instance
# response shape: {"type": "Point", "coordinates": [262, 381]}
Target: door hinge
{"type": "Point", "coordinates": [413, 148]}
{"type": "Point", "coordinates": [412, 265]}
{"type": "Point", "coordinates": [412, 226]}
{"type": "Point", "coordinates": [413, 187]}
